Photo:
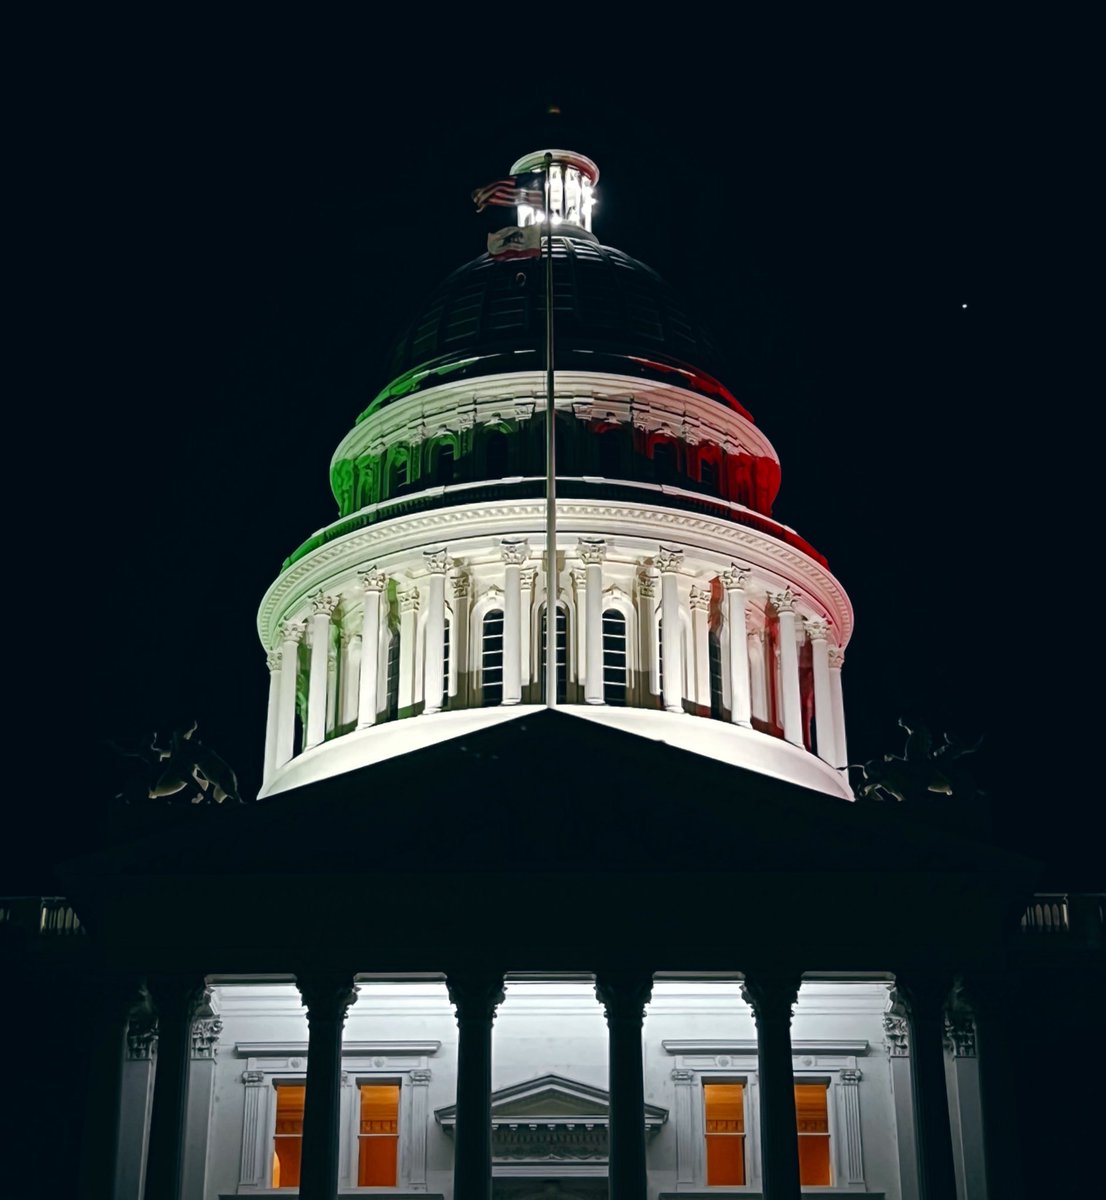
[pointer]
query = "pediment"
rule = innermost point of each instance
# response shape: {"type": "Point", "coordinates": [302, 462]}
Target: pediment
{"type": "Point", "coordinates": [550, 1100]}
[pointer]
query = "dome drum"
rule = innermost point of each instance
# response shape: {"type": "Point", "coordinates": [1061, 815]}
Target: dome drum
{"type": "Point", "coordinates": [456, 627]}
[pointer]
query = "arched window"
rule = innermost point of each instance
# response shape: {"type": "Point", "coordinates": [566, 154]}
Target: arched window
{"type": "Point", "coordinates": [708, 473]}
{"type": "Point", "coordinates": [615, 673]}
{"type": "Point", "coordinates": [561, 651]}
{"type": "Point", "coordinates": [491, 658]}
{"type": "Point", "coordinates": [496, 449]}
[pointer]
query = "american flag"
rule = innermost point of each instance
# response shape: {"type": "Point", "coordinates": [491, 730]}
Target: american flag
{"type": "Point", "coordinates": [506, 192]}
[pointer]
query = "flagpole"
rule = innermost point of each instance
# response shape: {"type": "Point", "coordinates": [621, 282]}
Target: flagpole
{"type": "Point", "coordinates": [550, 464]}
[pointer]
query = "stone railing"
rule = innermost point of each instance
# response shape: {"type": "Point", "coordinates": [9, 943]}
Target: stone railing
{"type": "Point", "coordinates": [44, 916]}
{"type": "Point", "coordinates": [1080, 918]}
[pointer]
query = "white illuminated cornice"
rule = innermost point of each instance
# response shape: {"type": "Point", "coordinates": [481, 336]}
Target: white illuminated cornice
{"type": "Point", "coordinates": [710, 544]}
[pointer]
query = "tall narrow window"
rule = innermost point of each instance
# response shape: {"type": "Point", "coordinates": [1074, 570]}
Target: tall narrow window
{"type": "Point", "coordinates": [812, 1121]}
{"type": "Point", "coordinates": [392, 677]}
{"type": "Point", "coordinates": [610, 454]}
{"type": "Point", "coordinates": [443, 466]}
{"type": "Point", "coordinates": [448, 624]}
{"type": "Point", "coordinates": [708, 474]}
{"type": "Point", "coordinates": [561, 651]}
{"type": "Point", "coordinates": [491, 661]}
{"type": "Point", "coordinates": [615, 673]}
{"type": "Point", "coordinates": [724, 1122]}
{"type": "Point", "coordinates": [288, 1136]}
{"type": "Point", "coordinates": [664, 462]}
{"type": "Point", "coordinates": [714, 651]}
{"type": "Point", "coordinates": [378, 1135]}
{"type": "Point", "coordinates": [495, 454]}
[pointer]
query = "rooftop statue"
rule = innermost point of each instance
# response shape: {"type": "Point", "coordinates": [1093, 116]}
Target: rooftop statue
{"type": "Point", "coordinates": [922, 769]}
{"type": "Point", "coordinates": [185, 766]}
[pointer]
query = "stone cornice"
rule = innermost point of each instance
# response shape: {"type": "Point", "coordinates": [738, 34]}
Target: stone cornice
{"type": "Point", "coordinates": [335, 564]}
{"type": "Point", "coordinates": [463, 403]}
{"type": "Point", "coordinates": [349, 1048]}
{"type": "Point", "coordinates": [847, 1046]}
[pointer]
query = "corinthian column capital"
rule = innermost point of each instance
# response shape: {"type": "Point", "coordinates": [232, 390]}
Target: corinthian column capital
{"type": "Point", "coordinates": [515, 551]}
{"type": "Point", "coordinates": [591, 550]}
{"type": "Point", "coordinates": [669, 559]}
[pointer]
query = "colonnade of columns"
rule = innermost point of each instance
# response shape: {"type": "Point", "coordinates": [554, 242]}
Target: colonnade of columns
{"type": "Point", "coordinates": [923, 999]}
{"type": "Point", "coordinates": [762, 682]}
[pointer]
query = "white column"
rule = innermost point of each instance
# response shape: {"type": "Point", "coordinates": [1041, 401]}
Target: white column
{"type": "Point", "coordinates": [592, 552]}
{"type": "Point", "coordinates": [332, 651]}
{"type": "Point", "coordinates": [321, 609]}
{"type": "Point", "coordinates": [825, 724]}
{"type": "Point", "coordinates": [579, 577]}
{"type": "Point", "coordinates": [459, 639]}
{"type": "Point", "coordinates": [434, 681]}
{"type": "Point", "coordinates": [699, 600]}
{"type": "Point", "coordinates": [373, 583]}
{"type": "Point", "coordinates": [734, 580]}
{"type": "Point", "coordinates": [349, 677]}
{"type": "Point", "coordinates": [672, 644]}
{"type": "Point", "coordinates": [790, 698]}
{"type": "Point", "coordinates": [408, 637]}
{"type": "Point", "coordinates": [841, 753]}
{"type": "Point", "coordinates": [515, 554]}
{"type": "Point", "coordinates": [647, 630]}
{"type": "Point", "coordinates": [758, 674]}
{"type": "Point", "coordinates": [526, 582]}
{"type": "Point", "coordinates": [291, 636]}
{"type": "Point", "coordinates": [272, 722]}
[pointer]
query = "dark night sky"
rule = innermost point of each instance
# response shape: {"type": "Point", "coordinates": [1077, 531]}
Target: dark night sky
{"type": "Point", "coordinates": [224, 229]}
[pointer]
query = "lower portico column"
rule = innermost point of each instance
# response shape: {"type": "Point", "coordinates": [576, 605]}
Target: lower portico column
{"type": "Point", "coordinates": [624, 995]}
{"type": "Point", "coordinates": [177, 998]}
{"type": "Point", "coordinates": [772, 995]}
{"type": "Point", "coordinates": [988, 995]}
{"type": "Point", "coordinates": [475, 995]}
{"type": "Point", "coordinates": [924, 1000]}
{"type": "Point", "coordinates": [327, 996]}
{"type": "Point", "coordinates": [114, 999]}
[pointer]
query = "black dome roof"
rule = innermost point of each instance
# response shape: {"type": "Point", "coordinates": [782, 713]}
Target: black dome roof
{"type": "Point", "coordinates": [605, 303]}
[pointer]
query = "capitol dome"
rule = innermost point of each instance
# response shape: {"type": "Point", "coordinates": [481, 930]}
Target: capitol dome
{"type": "Point", "coordinates": [685, 613]}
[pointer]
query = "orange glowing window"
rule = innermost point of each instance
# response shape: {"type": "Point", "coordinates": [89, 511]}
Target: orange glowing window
{"type": "Point", "coordinates": [288, 1136]}
{"type": "Point", "coordinates": [724, 1113]}
{"type": "Point", "coordinates": [378, 1135]}
{"type": "Point", "coordinates": [812, 1121]}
